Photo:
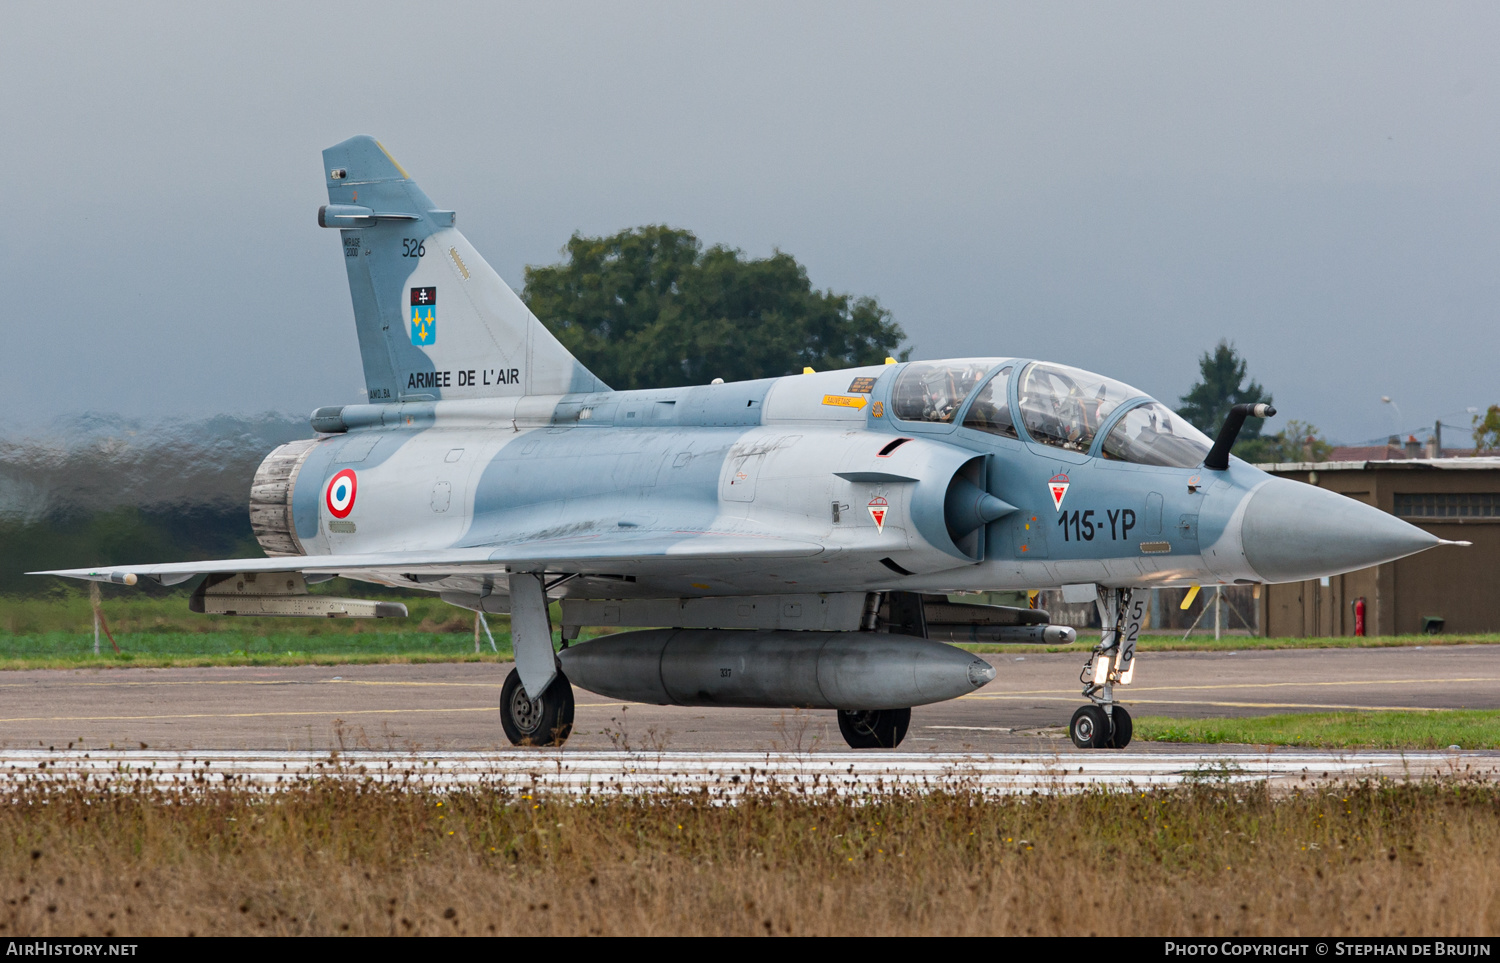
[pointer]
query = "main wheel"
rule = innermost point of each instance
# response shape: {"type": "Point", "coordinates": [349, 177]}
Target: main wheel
{"type": "Point", "coordinates": [536, 722]}
{"type": "Point", "coordinates": [874, 728]}
{"type": "Point", "coordinates": [1124, 728]}
{"type": "Point", "coordinates": [1089, 728]}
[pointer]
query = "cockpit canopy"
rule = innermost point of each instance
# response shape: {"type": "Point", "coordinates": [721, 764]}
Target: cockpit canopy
{"type": "Point", "coordinates": [934, 390]}
{"type": "Point", "coordinates": [1064, 407]}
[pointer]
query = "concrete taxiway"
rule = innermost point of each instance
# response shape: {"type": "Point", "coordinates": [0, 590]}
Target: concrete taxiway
{"type": "Point", "coordinates": [453, 707]}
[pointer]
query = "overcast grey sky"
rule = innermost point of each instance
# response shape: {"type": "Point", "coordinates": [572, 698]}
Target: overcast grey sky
{"type": "Point", "coordinates": [1110, 185]}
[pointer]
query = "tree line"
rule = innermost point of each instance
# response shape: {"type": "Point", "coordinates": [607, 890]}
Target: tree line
{"type": "Point", "coordinates": [1222, 383]}
{"type": "Point", "coordinates": [650, 307]}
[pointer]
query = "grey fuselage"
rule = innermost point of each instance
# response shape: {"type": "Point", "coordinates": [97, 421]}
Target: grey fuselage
{"type": "Point", "coordinates": [797, 458]}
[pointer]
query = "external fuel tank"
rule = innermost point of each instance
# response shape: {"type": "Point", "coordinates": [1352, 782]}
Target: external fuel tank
{"type": "Point", "coordinates": [774, 670]}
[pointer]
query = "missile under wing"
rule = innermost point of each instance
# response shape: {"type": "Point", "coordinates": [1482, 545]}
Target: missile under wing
{"type": "Point", "coordinates": [799, 538]}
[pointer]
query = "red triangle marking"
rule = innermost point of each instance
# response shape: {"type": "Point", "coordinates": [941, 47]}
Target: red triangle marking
{"type": "Point", "coordinates": [1058, 486]}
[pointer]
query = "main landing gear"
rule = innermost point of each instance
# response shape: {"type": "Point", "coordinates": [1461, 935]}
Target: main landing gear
{"type": "Point", "coordinates": [547, 721]}
{"type": "Point", "coordinates": [1105, 724]}
{"type": "Point", "coordinates": [874, 728]}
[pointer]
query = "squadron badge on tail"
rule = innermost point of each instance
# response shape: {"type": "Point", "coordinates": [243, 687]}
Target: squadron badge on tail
{"type": "Point", "coordinates": [423, 316]}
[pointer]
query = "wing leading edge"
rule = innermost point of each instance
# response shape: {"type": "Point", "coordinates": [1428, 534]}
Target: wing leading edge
{"type": "Point", "coordinates": [589, 554]}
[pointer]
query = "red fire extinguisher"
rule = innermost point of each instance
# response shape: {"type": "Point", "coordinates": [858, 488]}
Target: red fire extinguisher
{"type": "Point", "coordinates": [1359, 616]}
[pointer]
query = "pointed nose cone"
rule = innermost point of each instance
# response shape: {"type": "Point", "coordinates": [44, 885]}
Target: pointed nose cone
{"type": "Point", "coordinates": [1293, 531]}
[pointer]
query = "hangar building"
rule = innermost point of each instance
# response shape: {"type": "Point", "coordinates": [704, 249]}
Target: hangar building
{"type": "Point", "coordinates": [1452, 590]}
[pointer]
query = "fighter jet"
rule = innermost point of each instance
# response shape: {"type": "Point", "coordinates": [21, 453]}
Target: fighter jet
{"type": "Point", "coordinates": [787, 542]}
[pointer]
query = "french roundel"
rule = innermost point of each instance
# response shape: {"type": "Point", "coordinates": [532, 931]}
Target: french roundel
{"type": "Point", "coordinates": [340, 495]}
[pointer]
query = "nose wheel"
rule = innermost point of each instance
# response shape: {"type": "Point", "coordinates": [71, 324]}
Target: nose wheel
{"type": "Point", "coordinates": [1089, 728]}
{"type": "Point", "coordinates": [1094, 728]}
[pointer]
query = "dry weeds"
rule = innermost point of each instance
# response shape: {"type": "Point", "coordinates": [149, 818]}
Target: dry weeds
{"type": "Point", "coordinates": [330, 858]}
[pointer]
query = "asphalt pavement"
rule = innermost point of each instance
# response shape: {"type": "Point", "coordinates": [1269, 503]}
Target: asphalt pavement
{"type": "Point", "coordinates": [453, 707]}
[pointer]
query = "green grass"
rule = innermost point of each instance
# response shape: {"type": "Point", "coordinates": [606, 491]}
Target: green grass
{"type": "Point", "coordinates": [1247, 643]}
{"type": "Point", "coordinates": [70, 650]}
{"type": "Point", "coordinates": [129, 610]}
{"type": "Point", "coordinates": [1468, 728]}
{"type": "Point", "coordinates": [56, 631]}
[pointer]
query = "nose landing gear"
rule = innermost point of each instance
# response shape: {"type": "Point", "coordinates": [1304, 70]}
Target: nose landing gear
{"type": "Point", "coordinates": [1093, 728]}
{"type": "Point", "coordinates": [1105, 724]}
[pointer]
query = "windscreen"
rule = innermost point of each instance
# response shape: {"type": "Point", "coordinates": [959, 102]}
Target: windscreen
{"type": "Point", "coordinates": [1064, 407]}
{"type": "Point", "coordinates": [1152, 435]}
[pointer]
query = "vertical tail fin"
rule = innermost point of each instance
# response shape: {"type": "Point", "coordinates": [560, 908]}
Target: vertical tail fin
{"type": "Point", "coordinates": [434, 319]}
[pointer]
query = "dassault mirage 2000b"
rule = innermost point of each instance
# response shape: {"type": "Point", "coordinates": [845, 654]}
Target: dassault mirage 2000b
{"type": "Point", "coordinates": [799, 535]}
